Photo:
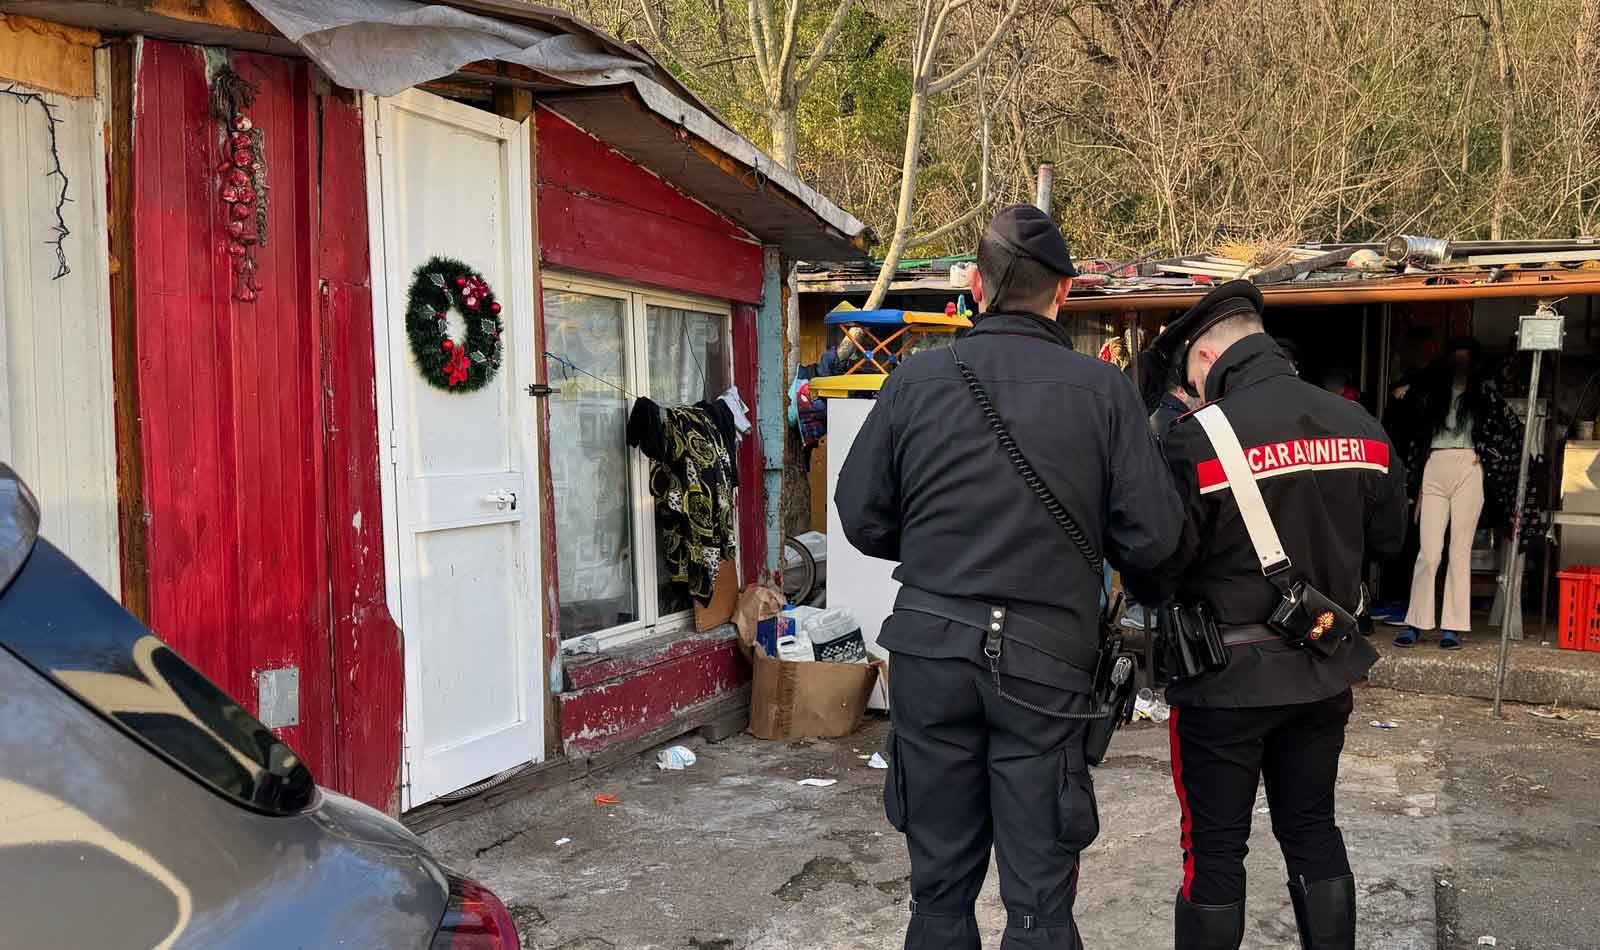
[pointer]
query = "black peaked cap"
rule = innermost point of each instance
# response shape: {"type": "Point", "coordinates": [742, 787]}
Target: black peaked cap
{"type": "Point", "coordinates": [1229, 300]}
{"type": "Point", "coordinates": [1028, 232]}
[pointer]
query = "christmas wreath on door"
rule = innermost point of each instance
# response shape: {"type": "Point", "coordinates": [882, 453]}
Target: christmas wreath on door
{"type": "Point", "coordinates": [443, 284]}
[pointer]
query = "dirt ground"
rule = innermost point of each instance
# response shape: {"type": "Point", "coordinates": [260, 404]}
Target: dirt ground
{"type": "Point", "coordinates": [1459, 827]}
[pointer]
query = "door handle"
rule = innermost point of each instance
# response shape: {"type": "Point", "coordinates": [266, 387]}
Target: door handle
{"type": "Point", "coordinates": [503, 498]}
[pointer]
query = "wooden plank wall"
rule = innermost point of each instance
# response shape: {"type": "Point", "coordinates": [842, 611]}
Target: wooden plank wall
{"type": "Point", "coordinates": [369, 688]}
{"type": "Point", "coordinates": [601, 213]}
{"type": "Point", "coordinates": [57, 416]}
{"type": "Point", "coordinates": [231, 409]}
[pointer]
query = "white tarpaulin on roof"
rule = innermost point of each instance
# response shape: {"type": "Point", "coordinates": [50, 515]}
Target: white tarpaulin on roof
{"type": "Point", "coordinates": [385, 46]}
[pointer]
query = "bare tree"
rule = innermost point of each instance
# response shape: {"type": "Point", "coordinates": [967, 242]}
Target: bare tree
{"type": "Point", "coordinates": [926, 82]}
{"type": "Point", "coordinates": [1508, 117]}
{"type": "Point", "coordinates": [1585, 148]}
{"type": "Point", "coordinates": [775, 50]}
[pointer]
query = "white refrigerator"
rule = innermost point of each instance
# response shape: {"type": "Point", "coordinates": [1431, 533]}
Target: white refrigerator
{"type": "Point", "coordinates": [863, 584]}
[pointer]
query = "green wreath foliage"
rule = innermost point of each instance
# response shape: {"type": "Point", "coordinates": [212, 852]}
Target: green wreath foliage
{"type": "Point", "coordinates": [458, 366]}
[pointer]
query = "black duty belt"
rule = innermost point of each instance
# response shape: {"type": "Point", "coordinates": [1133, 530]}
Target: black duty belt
{"type": "Point", "coordinates": [1042, 629]}
{"type": "Point", "coordinates": [1244, 634]}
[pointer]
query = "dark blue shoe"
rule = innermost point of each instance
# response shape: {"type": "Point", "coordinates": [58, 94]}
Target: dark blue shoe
{"type": "Point", "coordinates": [1408, 638]}
{"type": "Point", "coordinates": [1449, 640]}
{"type": "Point", "coordinates": [1392, 614]}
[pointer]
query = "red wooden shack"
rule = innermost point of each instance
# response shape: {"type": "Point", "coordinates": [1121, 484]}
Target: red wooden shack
{"type": "Point", "coordinates": [421, 588]}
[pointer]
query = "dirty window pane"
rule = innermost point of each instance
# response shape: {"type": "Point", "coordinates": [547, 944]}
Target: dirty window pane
{"type": "Point", "coordinates": [688, 363]}
{"type": "Point", "coordinates": [589, 461]}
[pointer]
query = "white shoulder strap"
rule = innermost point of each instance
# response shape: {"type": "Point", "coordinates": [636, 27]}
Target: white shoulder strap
{"type": "Point", "coordinates": [1246, 493]}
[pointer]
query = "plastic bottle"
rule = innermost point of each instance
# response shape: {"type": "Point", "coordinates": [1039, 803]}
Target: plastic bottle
{"type": "Point", "coordinates": [796, 648]}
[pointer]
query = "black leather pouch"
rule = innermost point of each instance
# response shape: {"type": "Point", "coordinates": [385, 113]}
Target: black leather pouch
{"type": "Point", "coordinates": [1306, 617]}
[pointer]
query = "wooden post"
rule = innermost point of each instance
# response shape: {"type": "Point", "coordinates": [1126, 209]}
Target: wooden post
{"type": "Point", "coordinates": [118, 83]}
{"type": "Point", "coordinates": [517, 104]}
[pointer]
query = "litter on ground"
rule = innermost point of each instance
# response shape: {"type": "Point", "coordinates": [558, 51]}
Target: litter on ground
{"type": "Point", "coordinates": [674, 759]}
{"type": "Point", "coordinates": [818, 782]}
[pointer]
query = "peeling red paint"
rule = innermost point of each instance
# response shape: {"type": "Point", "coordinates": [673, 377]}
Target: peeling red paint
{"type": "Point", "coordinates": [258, 421]}
{"type": "Point", "coordinates": [369, 701]}
{"type": "Point", "coordinates": [617, 711]}
{"type": "Point", "coordinates": [585, 672]}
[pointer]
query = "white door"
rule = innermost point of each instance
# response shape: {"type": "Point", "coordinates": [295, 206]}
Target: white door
{"type": "Point", "coordinates": [453, 181]}
{"type": "Point", "coordinates": [57, 416]}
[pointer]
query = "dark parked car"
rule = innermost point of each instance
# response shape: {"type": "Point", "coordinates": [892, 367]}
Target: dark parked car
{"type": "Point", "coordinates": [140, 806]}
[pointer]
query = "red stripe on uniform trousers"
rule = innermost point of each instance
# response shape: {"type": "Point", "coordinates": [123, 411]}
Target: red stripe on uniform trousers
{"type": "Point", "coordinates": [1186, 836]}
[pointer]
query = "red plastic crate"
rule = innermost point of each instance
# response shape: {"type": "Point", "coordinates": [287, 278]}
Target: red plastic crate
{"type": "Point", "coordinates": [1579, 618]}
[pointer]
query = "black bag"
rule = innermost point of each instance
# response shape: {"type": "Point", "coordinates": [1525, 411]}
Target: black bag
{"type": "Point", "coordinates": [1308, 618]}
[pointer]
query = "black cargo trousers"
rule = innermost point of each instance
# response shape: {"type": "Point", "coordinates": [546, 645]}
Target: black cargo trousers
{"type": "Point", "coordinates": [970, 769]}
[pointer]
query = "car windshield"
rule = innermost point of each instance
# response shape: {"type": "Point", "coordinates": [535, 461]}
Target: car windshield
{"type": "Point", "coordinates": [59, 621]}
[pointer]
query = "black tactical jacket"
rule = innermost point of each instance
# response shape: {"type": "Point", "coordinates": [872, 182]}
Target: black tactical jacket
{"type": "Point", "coordinates": [926, 483]}
{"type": "Point", "coordinates": [1336, 491]}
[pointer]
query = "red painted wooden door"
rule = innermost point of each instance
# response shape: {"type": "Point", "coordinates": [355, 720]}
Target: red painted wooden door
{"type": "Point", "coordinates": [230, 396]}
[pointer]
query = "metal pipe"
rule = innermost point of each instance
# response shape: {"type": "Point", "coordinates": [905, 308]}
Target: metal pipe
{"type": "Point", "coordinates": [1404, 247]}
{"type": "Point", "coordinates": [1513, 586]}
{"type": "Point", "coordinates": [1047, 182]}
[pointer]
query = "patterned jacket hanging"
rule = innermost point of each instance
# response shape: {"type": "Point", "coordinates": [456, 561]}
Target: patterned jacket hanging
{"type": "Point", "coordinates": [691, 479]}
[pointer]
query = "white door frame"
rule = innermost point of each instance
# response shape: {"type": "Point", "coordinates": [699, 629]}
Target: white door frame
{"type": "Point", "coordinates": [520, 363]}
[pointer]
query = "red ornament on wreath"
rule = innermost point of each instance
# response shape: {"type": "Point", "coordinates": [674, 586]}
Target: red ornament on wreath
{"type": "Point", "coordinates": [456, 365]}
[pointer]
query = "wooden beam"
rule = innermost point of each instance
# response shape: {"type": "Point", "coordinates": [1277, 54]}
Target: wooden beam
{"type": "Point", "coordinates": [232, 14]}
{"type": "Point", "coordinates": [515, 104]}
{"type": "Point", "coordinates": [518, 104]}
{"type": "Point", "coordinates": [118, 84]}
{"type": "Point", "coordinates": [48, 56]}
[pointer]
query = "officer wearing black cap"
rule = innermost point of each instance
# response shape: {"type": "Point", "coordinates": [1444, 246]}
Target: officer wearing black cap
{"type": "Point", "coordinates": [1334, 492]}
{"type": "Point", "coordinates": [994, 638]}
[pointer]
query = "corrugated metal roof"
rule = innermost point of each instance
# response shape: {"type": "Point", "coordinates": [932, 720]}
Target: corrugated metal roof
{"type": "Point", "coordinates": [726, 172]}
{"type": "Point", "coordinates": [1291, 275]}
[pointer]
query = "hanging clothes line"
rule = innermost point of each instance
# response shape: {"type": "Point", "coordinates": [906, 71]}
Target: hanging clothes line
{"type": "Point", "coordinates": [567, 364]}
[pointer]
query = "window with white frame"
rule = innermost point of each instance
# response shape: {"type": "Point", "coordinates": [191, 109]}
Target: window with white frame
{"type": "Point", "coordinates": [606, 344]}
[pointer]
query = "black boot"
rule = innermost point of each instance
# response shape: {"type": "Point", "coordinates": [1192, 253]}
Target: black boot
{"type": "Point", "coordinates": [1326, 913]}
{"type": "Point", "coordinates": [1207, 926]}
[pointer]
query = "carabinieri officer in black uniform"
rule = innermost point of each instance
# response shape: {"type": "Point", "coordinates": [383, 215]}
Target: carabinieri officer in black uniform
{"type": "Point", "coordinates": [1335, 493]}
{"type": "Point", "coordinates": [994, 637]}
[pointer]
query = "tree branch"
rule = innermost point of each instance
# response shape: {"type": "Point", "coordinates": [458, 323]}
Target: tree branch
{"type": "Point", "coordinates": [791, 26]}
{"type": "Point", "coordinates": [960, 72]}
{"type": "Point", "coordinates": [925, 66]}
{"type": "Point", "coordinates": [985, 195]}
{"type": "Point", "coordinates": [761, 43]}
{"type": "Point", "coordinates": [920, 47]}
{"type": "Point", "coordinates": [824, 46]}
{"type": "Point", "coordinates": [658, 31]}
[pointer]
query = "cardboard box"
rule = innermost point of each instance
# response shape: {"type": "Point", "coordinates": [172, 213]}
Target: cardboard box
{"type": "Point", "coordinates": [724, 597]}
{"type": "Point", "coordinates": [791, 700]}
